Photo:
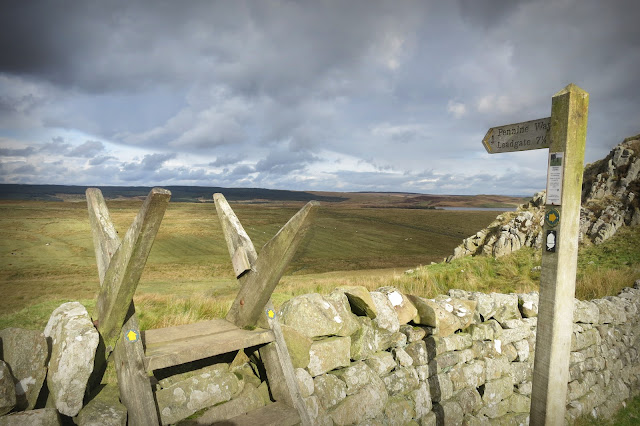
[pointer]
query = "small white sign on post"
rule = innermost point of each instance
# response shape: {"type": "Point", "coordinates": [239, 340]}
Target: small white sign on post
{"type": "Point", "coordinates": [554, 178]}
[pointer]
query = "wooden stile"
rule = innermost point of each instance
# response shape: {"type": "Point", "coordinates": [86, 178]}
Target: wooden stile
{"type": "Point", "coordinates": [137, 353]}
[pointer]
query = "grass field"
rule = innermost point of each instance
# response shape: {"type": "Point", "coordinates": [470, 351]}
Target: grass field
{"type": "Point", "coordinates": [47, 252]}
{"type": "Point", "coordinates": [47, 257]}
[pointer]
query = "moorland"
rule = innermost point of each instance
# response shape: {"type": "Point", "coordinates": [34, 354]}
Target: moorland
{"type": "Point", "coordinates": [370, 239]}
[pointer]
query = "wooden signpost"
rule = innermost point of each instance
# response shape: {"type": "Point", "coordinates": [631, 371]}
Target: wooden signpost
{"type": "Point", "coordinates": [565, 133]}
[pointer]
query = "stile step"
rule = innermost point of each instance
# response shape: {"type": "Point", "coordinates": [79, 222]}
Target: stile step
{"type": "Point", "coordinates": [166, 347]}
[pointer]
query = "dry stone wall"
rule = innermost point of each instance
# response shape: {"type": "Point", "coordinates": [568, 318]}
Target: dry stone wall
{"type": "Point", "coordinates": [463, 358]}
{"type": "Point", "coordinates": [361, 357]}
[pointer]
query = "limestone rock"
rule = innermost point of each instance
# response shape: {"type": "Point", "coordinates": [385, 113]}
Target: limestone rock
{"type": "Point", "coordinates": [401, 381]}
{"type": "Point", "coordinates": [209, 387]}
{"type": "Point", "coordinates": [248, 400]}
{"type": "Point", "coordinates": [305, 382]}
{"type": "Point", "coordinates": [74, 341]}
{"type": "Point", "coordinates": [387, 317]}
{"type": "Point", "coordinates": [381, 363]}
{"type": "Point", "coordinates": [506, 307]}
{"type": "Point", "coordinates": [421, 399]}
{"type": "Point", "coordinates": [418, 352]}
{"type": "Point", "coordinates": [356, 376]}
{"type": "Point", "coordinates": [341, 303]}
{"type": "Point", "coordinates": [360, 300]}
{"type": "Point", "coordinates": [298, 345]}
{"type": "Point", "coordinates": [104, 409]}
{"type": "Point", "coordinates": [367, 403]}
{"type": "Point", "coordinates": [329, 389]}
{"type": "Point", "coordinates": [413, 333]}
{"type": "Point", "coordinates": [585, 312]}
{"type": "Point", "coordinates": [370, 339]}
{"type": "Point", "coordinates": [311, 315]}
{"type": "Point", "coordinates": [528, 304]}
{"type": "Point", "coordinates": [399, 410]}
{"type": "Point", "coordinates": [436, 314]}
{"type": "Point", "coordinates": [41, 417]}
{"type": "Point", "coordinates": [7, 390]}
{"type": "Point", "coordinates": [26, 353]}
{"type": "Point", "coordinates": [328, 354]}
{"type": "Point", "coordinates": [402, 305]}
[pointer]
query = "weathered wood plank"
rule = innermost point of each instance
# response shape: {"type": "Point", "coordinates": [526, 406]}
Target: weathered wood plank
{"type": "Point", "coordinates": [105, 237]}
{"type": "Point", "coordinates": [134, 384]}
{"type": "Point", "coordinates": [258, 283]}
{"type": "Point", "coordinates": [170, 353]}
{"type": "Point", "coordinates": [234, 234]}
{"type": "Point", "coordinates": [126, 265]}
{"type": "Point", "coordinates": [178, 332]}
{"type": "Point", "coordinates": [276, 414]}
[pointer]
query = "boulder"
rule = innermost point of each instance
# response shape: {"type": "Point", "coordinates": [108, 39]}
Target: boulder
{"type": "Point", "coordinates": [399, 410]}
{"type": "Point", "coordinates": [41, 417]}
{"type": "Point", "coordinates": [356, 376]}
{"type": "Point", "coordinates": [298, 345]}
{"type": "Point", "coordinates": [210, 386]}
{"type": "Point", "coordinates": [26, 353]}
{"type": "Point", "coordinates": [341, 303]}
{"type": "Point", "coordinates": [360, 300]}
{"type": "Point", "coordinates": [104, 409]}
{"type": "Point", "coordinates": [7, 390]}
{"type": "Point", "coordinates": [328, 354]}
{"type": "Point", "coordinates": [367, 403]}
{"type": "Point", "coordinates": [329, 389]}
{"type": "Point", "coordinates": [311, 315]}
{"type": "Point", "coordinates": [305, 382]}
{"type": "Point", "coordinates": [74, 341]}
{"type": "Point", "coordinates": [387, 317]}
{"type": "Point", "coordinates": [248, 400]}
{"type": "Point", "coordinates": [401, 381]}
{"type": "Point", "coordinates": [436, 314]}
{"type": "Point", "coordinates": [402, 305]}
{"type": "Point", "coordinates": [381, 363]}
{"type": "Point", "coordinates": [528, 304]}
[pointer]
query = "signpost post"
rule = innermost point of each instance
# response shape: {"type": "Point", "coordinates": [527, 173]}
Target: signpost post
{"type": "Point", "coordinates": [565, 135]}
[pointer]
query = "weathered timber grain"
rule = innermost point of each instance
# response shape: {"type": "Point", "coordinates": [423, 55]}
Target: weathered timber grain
{"type": "Point", "coordinates": [126, 266]}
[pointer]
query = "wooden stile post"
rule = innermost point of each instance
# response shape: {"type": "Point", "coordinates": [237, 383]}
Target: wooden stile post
{"type": "Point", "coordinates": [257, 282]}
{"type": "Point", "coordinates": [126, 265]}
{"type": "Point", "coordinates": [134, 385]}
{"type": "Point", "coordinates": [258, 276]}
{"type": "Point", "coordinates": [569, 110]}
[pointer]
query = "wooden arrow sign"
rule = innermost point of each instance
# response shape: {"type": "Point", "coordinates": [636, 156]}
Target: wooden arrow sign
{"type": "Point", "coordinates": [524, 136]}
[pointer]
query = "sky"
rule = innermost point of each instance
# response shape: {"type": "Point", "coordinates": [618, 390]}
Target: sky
{"type": "Point", "coordinates": [358, 95]}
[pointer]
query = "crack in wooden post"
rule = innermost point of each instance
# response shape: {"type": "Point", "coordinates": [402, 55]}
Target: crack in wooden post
{"type": "Point", "coordinates": [259, 275]}
{"type": "Point", "coordinates": [133, 383]}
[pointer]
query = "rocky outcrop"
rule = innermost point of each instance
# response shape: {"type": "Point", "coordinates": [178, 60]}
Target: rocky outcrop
{"type": "Point", "coordinates": [610, 200]}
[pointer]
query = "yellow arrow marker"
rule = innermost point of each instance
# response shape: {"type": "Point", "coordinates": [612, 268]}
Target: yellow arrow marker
{"type": "Point", "coordinates": [271, 314]}
{"type": "Point", "coordinates": [132, 336]}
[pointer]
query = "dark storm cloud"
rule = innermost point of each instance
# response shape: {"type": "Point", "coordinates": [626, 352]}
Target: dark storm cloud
{"type": "Point", "coordinates": [275, 91]}
{"type": "Point", "coordinates": [18, 152]}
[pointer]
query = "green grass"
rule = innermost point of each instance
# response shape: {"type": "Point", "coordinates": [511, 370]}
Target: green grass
{"type": "Point", "coordinates": [629, 415]}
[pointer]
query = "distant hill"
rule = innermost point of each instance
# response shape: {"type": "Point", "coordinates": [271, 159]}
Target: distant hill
{"type": "Point", "coordinates": [178, 193]}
